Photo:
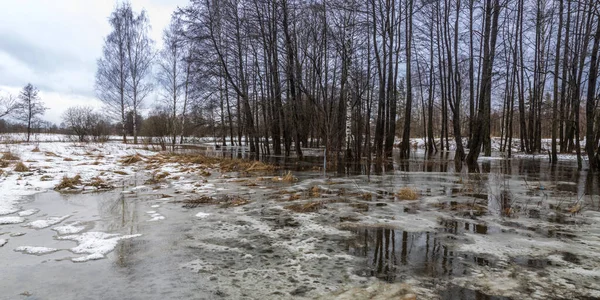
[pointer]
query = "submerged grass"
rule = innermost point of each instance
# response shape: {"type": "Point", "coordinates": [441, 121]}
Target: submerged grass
{"type": "Point", "coordinates": [307, 207]}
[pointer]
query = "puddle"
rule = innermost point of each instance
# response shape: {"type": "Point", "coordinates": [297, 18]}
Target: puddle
{"type": "Point", "coordinates": [531, 262]}
{"type": "Point", "coordinates": [391, 254]}
{"type": "Point", "coordinates": [460, 227]}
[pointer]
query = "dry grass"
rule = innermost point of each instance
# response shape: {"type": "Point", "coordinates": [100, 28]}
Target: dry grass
{"type": "Point", "coordinates": [315, 192]}
{"type": "Point", "coordinates": [10, 156]}
{"type": "Point", "coordinates": [46, 178]}
{"type": "Point", "coordinates": [360, 206]}
{"type": "Point", "coordinates": [68, 183]}
{"type": "Point", "coordinates": [407, 193]}
{"type": "Point", "coordinates": [3, 163]}
{"type": "Point", "coordinates": [193, 203]}
{"type": "Point", "coordinates": [68, 159]}
{"type": "Point", "coordinates": [21, 167]}
{"type": "Point", "coordinates": [131, 159]}
{"type": "Point", "coordinates": [51, 154]}
{"type": "Point", "coordinates": [120, 172]}
{"type": "Point", "coordinates": [367, 196]}
{"type": "Point", "coordinates": [307, 207]}
{"type": "Point", "coordinates": [294, 197]}
{"type": "Point", "coordinates": [233, 201]}
{"type": "Point", "coordinates": [36, 149]}
{"type": "Point", "coordinates": [224, 164]}
{"type": "Point", "coordinates": [99, 183]}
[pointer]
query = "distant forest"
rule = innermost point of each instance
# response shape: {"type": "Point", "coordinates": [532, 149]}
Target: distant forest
{"type": "Point", "coordinates": [362, 77]}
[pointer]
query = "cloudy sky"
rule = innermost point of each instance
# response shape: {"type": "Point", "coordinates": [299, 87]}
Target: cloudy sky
{"type": "Point", "coordinates": [54, 45]}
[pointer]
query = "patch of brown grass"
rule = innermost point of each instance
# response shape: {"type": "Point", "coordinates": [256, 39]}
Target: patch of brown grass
{"type": "Point", "coordinates": [68, 182]}
{"type": "Point", "coordinates": [3, 163]}
{"type": "Point", "coordinates": [21, 167]}
{"type": "Point", "coordinates": [131, 159]}
{"type": "Point", "coordinates": [99, 183]}
{"type": "Point", "coordinates": [46, 178]}
{"type": "Point", "coordinates": [193, 203]}
{"type": "Point", "coordinates": [360, 206]}
{"type": "Point", "coordinates": [307, 207]}
{"type": "Point", "coordinates": [294, 197]}
{"type": "Point", "coordinates": [10, 156]}
{"type": "Point", "coordinates": [120, 172]}
{"type": "Point", "coordinates": [315, 192]}
{"type": "Point", "coordinates": [407, 193]}
{"type": "Point", "coordinates": [367, 196]}
{"type": "Point", "coordinates": [68, 159]}
{"type": "Point", "coordinates": [36, 149]}
{"type": "Point", "coordinates": [233, 201]}
{"type": "Point", "coordinates": [51, 154]}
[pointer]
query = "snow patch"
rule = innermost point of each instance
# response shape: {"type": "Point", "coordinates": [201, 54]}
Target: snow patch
{"type": "Point", "coordinates": [35, 250]}
{"type": "Point", "coordinates": [29, 212]}
{"type": "Point", "coordinates": [69, 228]}
{"type": "Point", "coordinates": [11, 220]}
{"type": "Point", "coordinates": [202, 215]}
{"type": "Point", "coordinates": [3, 242]}
{"type": "Point", "coordinates": [39, 224]}
{"type": "Point", "coordinates": [95, 244]}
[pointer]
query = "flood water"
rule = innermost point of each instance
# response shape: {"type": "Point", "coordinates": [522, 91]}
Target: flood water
{"type": "Point", "coordinates": [445, 243]}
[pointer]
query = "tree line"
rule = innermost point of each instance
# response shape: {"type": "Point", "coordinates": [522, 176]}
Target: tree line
{"type": "Point", "coordinates": [356, 77]}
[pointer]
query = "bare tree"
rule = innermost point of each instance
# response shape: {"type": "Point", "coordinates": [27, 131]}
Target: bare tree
{"type": "Point", "coordinates": [8, 104]}
{"type": "Point", "coordinates": [172, 70]}
{"type": "Point", "coordinates": [112, 74]}
{"type": "Point", "coordinates": [139, 54]}
{"type": "Point", "coordinates": [29, 107]}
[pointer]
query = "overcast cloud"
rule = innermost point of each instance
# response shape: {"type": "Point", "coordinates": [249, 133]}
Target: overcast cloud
{"type": "Point", "coordinates": [54, 45]}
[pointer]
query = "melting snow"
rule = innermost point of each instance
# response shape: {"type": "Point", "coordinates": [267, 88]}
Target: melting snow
{"type": "Point", "coordinates": [11, 220]}
{"type": "Point", "coordinates": [3, 242]}
{"type": "Point", "coordinates": [39, 224]}
{"type": "Point", "coordinates": [202, 215]}
{"type": "Point", "coordinates": [29, 212]}
{"type": "Point", "coordinates": [95, 244]}
{"type": "Point", "coordinates": [35, 250]}
{"type": "Point", "coordinates": [69, 228]}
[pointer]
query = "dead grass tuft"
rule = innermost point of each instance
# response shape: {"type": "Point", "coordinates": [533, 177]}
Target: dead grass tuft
{"type": "Point", "coordinates": [367, 196]}
{"type": "Point", "coordinates": [100, 184]}
{"type": "Point", "coordinates": [193, 203]}
{"type": "Point", "coordinates": [360, 206]}
{"type": "Point", "coordinates": [120, 172]}
{"type": "Point", "coordinates": [233, 201]}
{"type": "Point", "coordinates": [307, 207]}
{"type": "Point", "coordinates": [407, 193]}
{"type": "Point", "coordinates": [36, 149]}
{"type": "Point", "coordinates": [21, 167]}
{"type": "Point", "coordinates": [315, 192]}
{"type": "Point", "coordinates": [68, 159]}
{"type": "Point", "coordinates": [51, 154]}
{"type": "Point", "coordinates": [68, 182]}
{"type": "Point", "coordinates": [10, 156]}
{"type": "Point", "coordinates": [3, 163]}
{"type": "Point", "coordinates": [131, 159]}
{"type": "Point", "coordinates": [46, 178]}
